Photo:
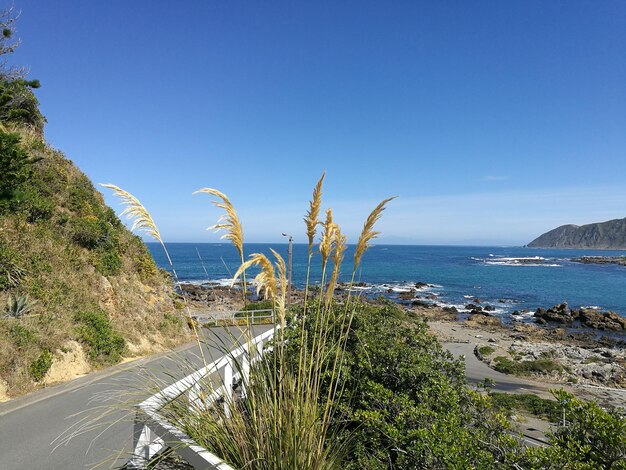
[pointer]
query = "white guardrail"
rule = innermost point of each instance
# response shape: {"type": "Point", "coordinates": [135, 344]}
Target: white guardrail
{"type": "Point", "coordinates": [152, 432]}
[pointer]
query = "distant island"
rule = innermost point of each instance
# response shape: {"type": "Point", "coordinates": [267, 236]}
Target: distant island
{"type": "Point", "coordinates": [610, 235]}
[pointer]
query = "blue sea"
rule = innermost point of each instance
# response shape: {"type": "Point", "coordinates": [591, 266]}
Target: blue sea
{"type": "Point", "coordinates": [508, 278]}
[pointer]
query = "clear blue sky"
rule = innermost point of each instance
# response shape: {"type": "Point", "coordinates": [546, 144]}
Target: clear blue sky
{"type": "Point", "coordinates": [493, 121]}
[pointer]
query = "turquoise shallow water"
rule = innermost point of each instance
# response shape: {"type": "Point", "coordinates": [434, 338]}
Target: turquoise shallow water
{"type": "Point", "coordinates": [457, 273]}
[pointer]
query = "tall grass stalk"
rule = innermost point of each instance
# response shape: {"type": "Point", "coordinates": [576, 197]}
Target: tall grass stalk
{"type": "Point", "coordinates": [286, 419]}
{"type": "Point", "coordinates": [230, 223]}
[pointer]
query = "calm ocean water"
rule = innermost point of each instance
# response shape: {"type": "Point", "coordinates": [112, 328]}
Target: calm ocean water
{"type": "Point", "coordinates": [506, 277]}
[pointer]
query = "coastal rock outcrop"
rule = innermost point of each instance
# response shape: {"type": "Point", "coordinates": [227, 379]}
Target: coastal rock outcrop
{"type": "Point", "coordinates": [586, 317]}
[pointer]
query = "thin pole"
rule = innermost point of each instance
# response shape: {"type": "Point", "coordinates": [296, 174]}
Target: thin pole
{"type": "Point", "coordinates": [290, 270]}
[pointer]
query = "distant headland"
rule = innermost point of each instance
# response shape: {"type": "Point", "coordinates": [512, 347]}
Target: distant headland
{"type": "Point", "coordinates": [609, 235]}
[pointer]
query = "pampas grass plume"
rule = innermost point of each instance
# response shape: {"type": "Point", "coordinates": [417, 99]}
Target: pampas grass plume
{"type": "Point", "coordinates": [368, 233]}
{"type": "Point", "coordinates": [229, 221]}
{"type": "Point", "coordinates": [135, 211]}
{"type": "Point", "coordinates": [312, 215]}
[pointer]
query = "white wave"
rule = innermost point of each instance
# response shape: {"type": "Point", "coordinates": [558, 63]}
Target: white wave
{"type": "Point", "coordinates": [515, 262]}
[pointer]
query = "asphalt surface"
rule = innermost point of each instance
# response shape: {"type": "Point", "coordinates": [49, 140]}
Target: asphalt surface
{"type": "Point", "coordinates": [88, 422]}
{"type": "Point", "coordinates": [476, 371]}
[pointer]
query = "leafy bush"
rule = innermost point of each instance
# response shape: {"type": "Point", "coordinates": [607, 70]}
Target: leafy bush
{"type": "Point", "coordinates": [541, 407]}
{"type": "Point", "coordinates": [22, 336]}
{"type": "Point", "coordinates": [485, 350]}
{"type": "Point", "coordinates": [19, 104]}
{"type": "Point", "coordinates": [145, 265]}
{"type": "Point", "coordinates": [11, 273]}
{"type": "Point", "coordinates": [104, 345]}
{"type": "Point", "coordinates": [82, 197]}
{"type": "Point", "coordinates": [592, 438]}
{"type": "Point", "coordinates": [505, 365]}
{"type": "Point", "coordinates": [40, 366]}
{"type": "Point", "coordinates": [91, 233]}
{"type": "Point", "coordinates": [15, 164]}
{"type": "Point", "coordinates": [170, 323]}
{"type": "Point", "coordinates": [508, 366]}
{"type": "Point", "coordinates": [109, 263]}
{"type": "Point", "coordinates": [37, 207]}
{"type": "Point", "coordinates": [405, 399]}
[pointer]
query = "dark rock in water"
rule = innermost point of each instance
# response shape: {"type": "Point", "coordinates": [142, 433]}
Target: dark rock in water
{"type": "Point", "coordinates": [389, 291]}
{"type": "Point", "coordinates": [421, 303]}
{"type": "Point", "coordinates": [476, 300]}
{"type": "Point", "coordinates": [450, 310]}
{"type": "Point", "coordinates": [489, 308]}
{"type": "Point", "coordinates": [619, 260]}
{"type": "Point", "coordinates": [407, 295]}
{"type": "Point", "coordinates": [587, 317]}
{"type": "Point", "coordinates": [431, 297]}
{"type": "Point", "coordinates": [558, 314]}
{"type": "Point", "coordinates": [474, 307]}
{"type": "Point", "coordinates": [359, 284]}
{"type": "Point", "coordinates": [516, 312]}
{"type": "Point", "coordinates": [421, 285]}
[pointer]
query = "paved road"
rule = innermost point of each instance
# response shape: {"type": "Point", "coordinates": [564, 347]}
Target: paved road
{"type": "Point", "coordinates": [477, 371]}
{"type": "Point", "coordinates": [32, 428]}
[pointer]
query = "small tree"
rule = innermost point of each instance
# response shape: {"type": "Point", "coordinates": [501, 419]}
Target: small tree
{"type": "Point", "coordinates": [17, 101]}
{"type": "Point", "coordinates": [15, 165]}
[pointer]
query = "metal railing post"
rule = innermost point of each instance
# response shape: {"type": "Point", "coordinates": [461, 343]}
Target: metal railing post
{"type": "Point", "coordinates": [228, 386]}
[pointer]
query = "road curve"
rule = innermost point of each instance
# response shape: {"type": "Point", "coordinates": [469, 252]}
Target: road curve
{"type": "Point", "coordinates": [34, 429]}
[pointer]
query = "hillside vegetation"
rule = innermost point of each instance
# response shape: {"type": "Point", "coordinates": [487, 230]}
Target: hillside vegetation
{"type": "Point", "coordinates": [77, 289]}
{"type": "Point", "coordinates": [610, 235]}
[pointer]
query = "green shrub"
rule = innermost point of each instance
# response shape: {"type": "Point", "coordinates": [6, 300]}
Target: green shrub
{"type": "Point", "coordinates": [109, 263]}
{"type": "Point", "coordinates": [92, 233]}
{"type": "Point", "coordinates": [485, 350]}
{"type": "Point", "coordinates": [19, 104]}
{"type": "Point", "coordinates": [11, 272]}
{"type": "Point", "coordinates": [82, 197]}
{"type": "Point", "coordinates": [170, 323]}
{"type": "Point", "coordinates": [15, 163]}
{"type": "Point", "coordinates": [104, 345]}
{"type": "Point", "coordinates": [145, 265]}
{"type": "Point", "coordinates": [541, 407]}
{"type": "Point", "coordinates": [40, 366]}
{"type": "Point", "coordinates": [505, 365]}
{"type": "Point", "coordinates": [34, 205]}
{"type": "Point", "coordinates": [405, 399]}
{"type": "Point", "coordinates": [541, 366]}
{"type": "Point", "coordinates": [593, 438]}
{"type": "Point", "coordinates": [22, 336]}
{"type": "Point", "coordinates": [508, 366]}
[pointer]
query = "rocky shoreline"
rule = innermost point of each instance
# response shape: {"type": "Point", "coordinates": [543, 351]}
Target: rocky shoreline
{"type": "Point", "coordinates": [619, 260]}
{"type": "Point", "coordinates": [561, 345]}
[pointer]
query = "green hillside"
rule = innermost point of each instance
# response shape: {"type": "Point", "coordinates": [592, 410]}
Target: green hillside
{"type": "Point", "coordinates": [77, 289]}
